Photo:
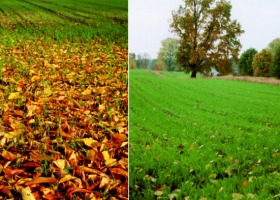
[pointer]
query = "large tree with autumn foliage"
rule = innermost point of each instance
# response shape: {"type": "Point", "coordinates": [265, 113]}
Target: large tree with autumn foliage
{"type": "Point", "coordinates": [208, 38]}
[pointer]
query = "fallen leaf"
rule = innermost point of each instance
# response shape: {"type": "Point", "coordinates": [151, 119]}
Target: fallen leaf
{"type": "Point", "coordinates": [89, 141]}
{"type": "Point", "coordinates": [119, 171]}
{"type": "Point", "coordinates": [14, 95]}
{"type": "Point", "coordinates": [48, 92]}
{"type": "Point", "coordinates": [91, 155]}
{"type": "Point", "coordinates": [40, 180]}
{"type": "Point", "coordinates": [104, 182]}
{"type": "Point", "coordinates": [245, 184]}
{"type": "Point", "coordinates": [86, 92]}
{"type": "Point", "coordinates": [119, 138]}
{"type": "Point", "coordinates": [106, 155]}
{"type": "Point", "coordinates": [26, 194]}
{"type": "Point", "coordinates": [8, 155]}
{"type": "Point", "coordinates": [67, 177]}
{"type": "Point", "coordinates": [60, 163]}
{"type": "Point", "coordinates": [110, 162]}
{"type": "Point", "coordinates": [237, 196]}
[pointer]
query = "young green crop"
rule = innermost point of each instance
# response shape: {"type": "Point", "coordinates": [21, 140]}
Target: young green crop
{"type": "Point", "coordinates": [208, 138]}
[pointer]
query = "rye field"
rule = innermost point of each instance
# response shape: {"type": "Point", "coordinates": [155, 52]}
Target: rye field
{"type": "Point", "coordinates": [202, 139]}
{"type": "Point", "coordinates": [63, 99]}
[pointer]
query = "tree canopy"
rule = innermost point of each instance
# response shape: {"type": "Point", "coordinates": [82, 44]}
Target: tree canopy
{"type": "Point", "coordinates": [208, 38]}
{"type": "Point", "coordinates": [274, 46]}
{"type": "Point", "coordinates": [245, 62]}
{"type": "Point", "coordinates": [262, 62]}
{"type": "Point", "coordinates": [168, 52]}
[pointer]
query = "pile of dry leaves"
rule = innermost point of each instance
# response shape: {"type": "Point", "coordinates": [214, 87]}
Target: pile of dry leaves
{"type": "Point", "coordinates": [63, 121]}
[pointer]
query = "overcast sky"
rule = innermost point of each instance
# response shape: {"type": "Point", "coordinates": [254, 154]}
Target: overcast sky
{"type": "Point", "coordinates": [149, 23]}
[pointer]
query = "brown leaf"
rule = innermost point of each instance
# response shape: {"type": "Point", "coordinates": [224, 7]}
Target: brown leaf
{"type": "Point", "coordinates": [119, 171]}
{"type": "Point", "coordinates": [6, 190]}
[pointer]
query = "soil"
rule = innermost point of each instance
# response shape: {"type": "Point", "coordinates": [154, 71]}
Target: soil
{"type": "Point", "coordinates": [267, 80]}
{"type": "Point", "coordinates": [157, 73]}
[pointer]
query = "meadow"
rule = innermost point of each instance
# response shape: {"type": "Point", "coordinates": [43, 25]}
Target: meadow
{"type": "Point", "coordinates": [202, 138]}
{"type": "Point", "coordinates": [63, 99]}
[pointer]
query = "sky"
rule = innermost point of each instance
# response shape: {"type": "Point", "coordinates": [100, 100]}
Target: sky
{"type": "Point", "coordinates": [149, 23]}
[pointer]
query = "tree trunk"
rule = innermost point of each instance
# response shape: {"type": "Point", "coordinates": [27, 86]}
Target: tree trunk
{"type": "Point", "coordinates": [193, 74]}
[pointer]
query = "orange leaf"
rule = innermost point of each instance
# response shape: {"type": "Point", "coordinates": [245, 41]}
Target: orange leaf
{"type": "Point", "coordinates": [119, 138]}
{"type": "Point", "coordinates": [245, 184]}
{"type": "Point", "coordinates": [40, 180]}
{"type": "Point", "coordinates": [8, 155]}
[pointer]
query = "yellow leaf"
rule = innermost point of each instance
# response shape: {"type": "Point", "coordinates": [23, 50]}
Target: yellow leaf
{"type": "Point", "coordinates": [105, 181]}
{"type": "Point", "coordinates": [30, 110]}
{"type": "Point", "coordinates": [110, 162]}
{"type": "Point", "coordinates": [89, 141]}
{"type": "Point", "coordinates": [100, 90]}
{"type": "Point", "coordinates": [13, 134]}
{"type": "Point", "coordinates": [43, 100]}
{"type": "Point", "coordinates": [68, 177]}
{"type": "Point", "coordinates": [26, 194]}
{"type": "Point", "coordinates": [148, 147]}
{"type": "Point", "coordinates": [60, 163]}
{"type": "Point", "coordinates": [86, 92]}
{"type": "Point", "coordinates": [101, 107]}
{"type": "Point", "coordinates": [106, 155]}
{"type": "Point", "coordinates": [48, 92]}
{"type": "Point", "coordinates": [35, 78]}
{"type": "Point", "coordinates": [14, 95]}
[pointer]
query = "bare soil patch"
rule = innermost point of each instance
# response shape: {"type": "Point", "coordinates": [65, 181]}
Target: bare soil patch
{"type": "Point", "coordinates": [267, 80]}
{"type": "Point", "coordinates": [157, 73]}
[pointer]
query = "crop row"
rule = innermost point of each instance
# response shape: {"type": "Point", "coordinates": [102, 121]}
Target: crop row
{"type": "Point", "coordinates": [213, 139]}
{"type": "Point", "coordinates": [62, 20]}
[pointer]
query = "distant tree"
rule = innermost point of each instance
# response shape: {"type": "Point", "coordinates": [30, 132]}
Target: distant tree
{"type": "Point", "coordinates": [208, 37]}
{"type": "Point", "coordinates": [261, 63]}
{"type": "Point", "coordinates": [143, 61]}
{"type": "Point", "coordinates": [274, 46]}
{"type": "Point", "coordinates": [245, 62]}
{"type": "Point", "coordinates": [275, 66]}
{"type": "Point", "coordinates": [132, 61]}
{"type": "Point", "coordinates": [152, 64]}
{"type": "Point", "coordinates": [160, 65]}
{"type": "Point", "coordinates": [168, 53]}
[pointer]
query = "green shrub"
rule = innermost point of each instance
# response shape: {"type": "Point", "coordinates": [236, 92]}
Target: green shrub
{"type": "Point", "coordinates": [245, 62]}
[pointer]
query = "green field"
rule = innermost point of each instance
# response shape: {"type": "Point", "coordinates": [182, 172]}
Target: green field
{"type": "Point", "coordinates": [63, 99]}
{"type": "Point", "coordinates": [74, 21]}
{"type": "Point", "coordinates": [202, 138]}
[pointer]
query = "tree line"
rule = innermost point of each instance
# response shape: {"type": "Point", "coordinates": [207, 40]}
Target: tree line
{"type": "Point", "coordinates": [208, 41]}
